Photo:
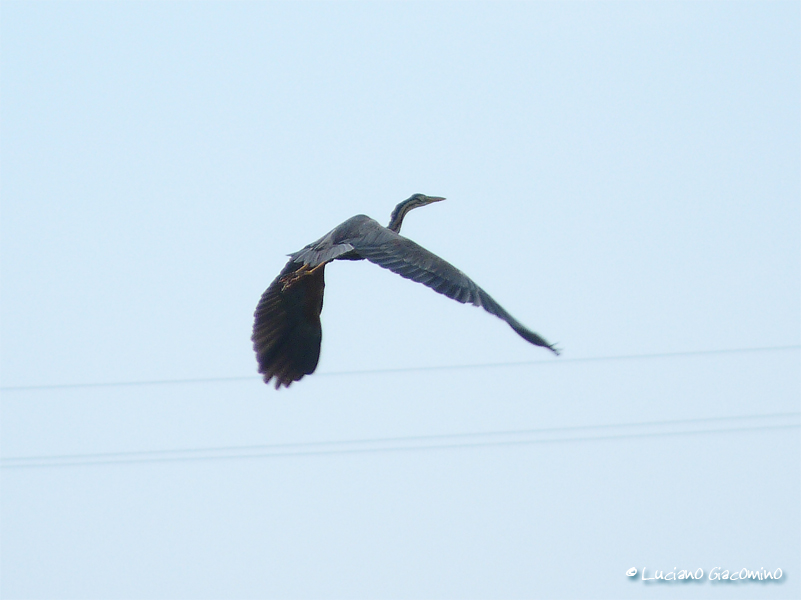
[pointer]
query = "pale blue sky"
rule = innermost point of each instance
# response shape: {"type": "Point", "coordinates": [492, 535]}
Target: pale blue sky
{"type": "Point", "coordinates": [623, 177]}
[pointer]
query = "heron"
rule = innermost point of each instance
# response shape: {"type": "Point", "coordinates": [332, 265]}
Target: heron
{"type": "Point", "coordinates": [287, 332]}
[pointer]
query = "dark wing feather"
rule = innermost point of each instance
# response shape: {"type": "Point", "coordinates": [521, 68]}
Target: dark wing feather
{"type": "Point", "coordinates": [410, 260]}
{"type": "Point", "coordinates": [287, 331]}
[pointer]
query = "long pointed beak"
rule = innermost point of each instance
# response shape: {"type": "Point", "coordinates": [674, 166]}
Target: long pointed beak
{"type": "Point", "coordinates": [434, 198]}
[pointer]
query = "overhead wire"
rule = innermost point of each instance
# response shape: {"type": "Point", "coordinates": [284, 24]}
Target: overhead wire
{"type": "Point", "coordinates": [420, 442]}
{"type": "Point", "coordinates": [561, 361]}
{"type": "Point", "coordinates": [708, 425]}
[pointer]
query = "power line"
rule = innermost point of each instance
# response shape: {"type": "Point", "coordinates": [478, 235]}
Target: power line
{"type": "Point", "coordinates": [561, 361]}
{"type": "Point", "coordinates": [425, 442]}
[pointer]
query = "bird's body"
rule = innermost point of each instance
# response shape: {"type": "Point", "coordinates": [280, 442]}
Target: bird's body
{"type": "Point", "coordinates": [287, 331]}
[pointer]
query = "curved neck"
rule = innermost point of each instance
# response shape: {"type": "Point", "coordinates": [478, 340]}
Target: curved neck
{"type": "Point", "coordinates": [396, 219]}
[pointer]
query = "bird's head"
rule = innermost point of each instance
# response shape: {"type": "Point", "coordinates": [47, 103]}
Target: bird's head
{"type": "Point", "coordinates": [416, 200]}
{"type": "Point", "coordinates": [413, 201]}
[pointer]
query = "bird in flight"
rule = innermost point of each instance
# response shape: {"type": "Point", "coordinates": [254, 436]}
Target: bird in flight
{"type": "Point", "coordinates": [287, 331]}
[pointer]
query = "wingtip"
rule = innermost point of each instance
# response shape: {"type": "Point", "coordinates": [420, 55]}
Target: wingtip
{"type": "Point", "coordinates": [278, 383]}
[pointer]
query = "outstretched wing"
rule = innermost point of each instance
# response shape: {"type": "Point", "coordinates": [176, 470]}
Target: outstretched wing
{"type": "Point", "coordinates": [410, 260]}
{"type": "Point", "coordinates": [287, 331]}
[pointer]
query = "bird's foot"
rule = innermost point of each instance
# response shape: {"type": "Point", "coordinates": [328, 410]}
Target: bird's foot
{"type": "Point", "coordinates": [290, 278]}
